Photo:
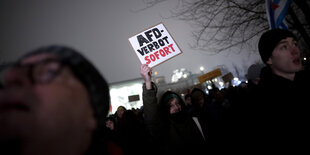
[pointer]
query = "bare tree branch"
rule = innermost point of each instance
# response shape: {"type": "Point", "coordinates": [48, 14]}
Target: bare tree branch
{"type": "Point", "coordinates": [226, 25]}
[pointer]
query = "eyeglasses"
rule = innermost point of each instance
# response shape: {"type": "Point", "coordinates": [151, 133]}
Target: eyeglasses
{"type": "Point", "coordinates": [38, 73]}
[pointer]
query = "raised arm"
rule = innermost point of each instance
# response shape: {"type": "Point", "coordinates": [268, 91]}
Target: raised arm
{"type": "Point", "coordinates": [150, 104]}
{"type": "Point", "coordinates": [146, 73]}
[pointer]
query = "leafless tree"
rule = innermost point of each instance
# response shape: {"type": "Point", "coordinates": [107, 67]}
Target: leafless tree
{"type": "Point", "coordinates": [299, 20]}
{"type": "Point", "coordinates": [226, 25]}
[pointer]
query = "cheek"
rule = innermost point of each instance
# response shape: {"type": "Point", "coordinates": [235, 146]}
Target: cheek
{"type": "Point", "coordinates": [62, 106]}
{"type": "Point", "coordinates": [56, 99]}
{"type": "Point", "coordinates": [175, 108]}
{"type": "Point", "coordinates": [276, 59]}
{"type": "Point", "coordinates": [281, 62]}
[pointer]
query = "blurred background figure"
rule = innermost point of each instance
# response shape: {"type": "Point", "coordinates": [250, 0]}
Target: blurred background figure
{"type": "Point", "coordinates": [253, 73]}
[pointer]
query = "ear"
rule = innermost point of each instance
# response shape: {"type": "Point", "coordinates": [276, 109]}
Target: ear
{"type": "Point", "coordinates": [269, 61]}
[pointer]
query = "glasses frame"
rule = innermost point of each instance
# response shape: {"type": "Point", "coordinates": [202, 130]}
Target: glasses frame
{"type": "Point", "coordinates": [30, 70]}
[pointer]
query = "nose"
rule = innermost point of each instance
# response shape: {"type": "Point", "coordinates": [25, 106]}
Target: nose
{"type": "Point", "coordinates": [17, 77]}
{"type": "Point", "coordinates": [294, 49]}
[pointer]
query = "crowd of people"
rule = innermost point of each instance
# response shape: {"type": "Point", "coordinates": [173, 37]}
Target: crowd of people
{"type": "Point", "coordinates": [54, 101]}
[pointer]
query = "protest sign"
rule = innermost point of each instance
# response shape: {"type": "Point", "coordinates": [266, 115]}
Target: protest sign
{"type": "Point", "coordinates": [210, 75]}
{"type": "Point", "coordinates": [154, 45]}
{"type": "Point", "coordinates": [133, 98]}
{"type": "Point", "coordinates": [228, 77]}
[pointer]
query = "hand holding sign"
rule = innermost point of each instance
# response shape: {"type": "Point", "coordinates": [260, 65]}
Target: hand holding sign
{"type": "Point", "coordinates": [154, 45]}
{"type": "Point", "coordinates": [146, 73]}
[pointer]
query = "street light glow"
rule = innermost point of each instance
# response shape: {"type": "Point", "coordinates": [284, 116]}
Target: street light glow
{"type": "Point", "coordinates": [201, 68]}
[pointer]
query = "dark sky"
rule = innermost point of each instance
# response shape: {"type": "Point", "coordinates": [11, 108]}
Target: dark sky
{"type": "Point", "coordinates": [100, 30]}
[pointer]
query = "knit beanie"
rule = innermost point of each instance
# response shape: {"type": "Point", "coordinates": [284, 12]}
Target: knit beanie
{"type": "Point", "coordinates": [88, 75]}
{"type": "Point", "coordinates": [269, 40]}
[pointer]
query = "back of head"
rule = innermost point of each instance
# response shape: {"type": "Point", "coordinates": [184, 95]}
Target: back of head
{"type": "Point", "coordinates": [196, 90]}
{"type": "Point", "coordinates": [187, 96]}
{"type": "Point", "coordinates": [129, 120]}
{"type": "Point", "coordinates": [269, 40]}
{"type": "Point", "coordinates": [198, 97]}
{"type": "Point", "coordinates": [254, 71]}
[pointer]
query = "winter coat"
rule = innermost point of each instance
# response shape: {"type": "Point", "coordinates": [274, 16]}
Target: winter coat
{"type": "Point", "coordinates": [280, 113]}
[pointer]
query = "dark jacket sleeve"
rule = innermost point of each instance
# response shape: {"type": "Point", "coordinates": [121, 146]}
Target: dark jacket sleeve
{"type": "Point", "coordinates": [151, 110]}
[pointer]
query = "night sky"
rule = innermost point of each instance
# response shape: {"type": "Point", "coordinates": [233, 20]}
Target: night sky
{"type": "Point", "coordinates": [100, 30]}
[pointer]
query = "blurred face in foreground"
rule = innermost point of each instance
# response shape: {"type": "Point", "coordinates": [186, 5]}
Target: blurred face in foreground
{"type": "Point", "coordinates": [44, 108]}
{"type": "Point", "coordinates": [285, 59]}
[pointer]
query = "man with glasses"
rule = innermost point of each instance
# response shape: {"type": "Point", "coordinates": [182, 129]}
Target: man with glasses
{"type": "Point", "coordinates": [52, 101]}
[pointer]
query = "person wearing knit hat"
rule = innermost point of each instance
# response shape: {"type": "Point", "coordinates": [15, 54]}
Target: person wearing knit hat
{"type": "Point", "coordinates": [53, 101]}
{"type": "Point", "coordinates": [280, 103]}
{"type": "Point", "coordinates": [269, 40]}
{"type": "Point", "coordinates": [279, 51]}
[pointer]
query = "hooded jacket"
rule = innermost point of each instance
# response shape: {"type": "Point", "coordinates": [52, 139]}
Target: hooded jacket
{"type": "Point", "coordinates": [176, 133]}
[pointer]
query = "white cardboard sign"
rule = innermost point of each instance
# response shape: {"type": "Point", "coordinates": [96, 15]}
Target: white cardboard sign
{"type": "Point", "coordinates": [154, 45]}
